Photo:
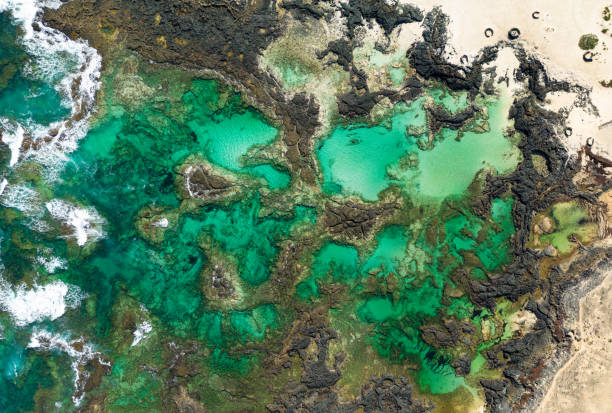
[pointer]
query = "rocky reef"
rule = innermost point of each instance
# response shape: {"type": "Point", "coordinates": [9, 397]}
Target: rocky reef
{"type": "Point", "coordinates": [271, 282]}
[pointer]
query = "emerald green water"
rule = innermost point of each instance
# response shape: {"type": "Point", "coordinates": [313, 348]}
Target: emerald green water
{"type": "Point", "coordinates": [226, 140]}
{"type": "Point", "coordinates": [276, 179]}
{"type": "Point", "coordinates": [167, 273]}
{"type": "Point", "coordinates": [339, 261]}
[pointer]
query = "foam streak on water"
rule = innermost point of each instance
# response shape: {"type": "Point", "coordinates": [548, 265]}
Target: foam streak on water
{"type": "Point", "coordinates": [49, 47]}
{"type": "Point", "coordinates": [80, 353]}
{"type": "Point", "coordinates": [142, 330]}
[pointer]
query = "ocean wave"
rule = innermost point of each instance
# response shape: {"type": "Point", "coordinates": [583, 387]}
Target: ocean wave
{"type": "Point", "coordinates": [73, 67]}
{"type": "Point", "coordinates": [142, 331]}
{"type": "Point", "coordinates": [22, 198]}
{"type": "Point", "coordinates": [27, 306]}
{"type": "Point", "coordinates": [78, 350]}
{"type": "Point", "coordinates": [86, 222]}
{"type": "Point", "coordinates": [49, 262]}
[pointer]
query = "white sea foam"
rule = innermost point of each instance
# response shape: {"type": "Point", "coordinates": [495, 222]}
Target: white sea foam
{"type": "Point", "coordinates": [142, 330]}
{"type": "Point", "coordinates": [23, 198]}
{"type": "Point", "coordinates": [63, 62]}
{"type": "Point", "coordinates": [51, 263]}
{"type": "Point", "coordinates": [3, 185]}
{"type": "Point", "coordinates": [162, 223]}
{"type": "Point", "coordinates": [87, 223]}
{"type": "Point", "coordinates": [13, 137]}
{"type": "Point", "coordinates": [39, 303]}
{"type": "Point", "coordinates": [78, 350]}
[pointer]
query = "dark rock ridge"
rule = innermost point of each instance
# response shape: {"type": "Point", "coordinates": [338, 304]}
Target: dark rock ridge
{"type": "Point", "coordinates": [521, 359]}
{"type": "Point", "coordinates": [427, 57]}
{"type": "Point", "coordinates": [314, 393]}
{"type": "Point", "coordinates": [438, 117]}
{"type": "Point", "coordinates": [202, 183]}
{"type": "Point", "coordinates": [358, 12]}
{"type": "Point", "coordinates": [355, 220]}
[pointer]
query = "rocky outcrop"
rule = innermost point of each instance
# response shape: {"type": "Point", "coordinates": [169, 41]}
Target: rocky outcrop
{"type": "Point", "coordinates": [427, 57]}
{"type": "Point", "coordinates": [388, 16]}
{"type": "Point", "coordinates": [201, 182]}
{"type": "Point", "coordinates": [462, 364]}
{"type": "Point", "coordinates": [439, 117]}
{"type": "Point", "coordinates": [354, 220]}
{"type": "Point", "coordinates": [300, 121]}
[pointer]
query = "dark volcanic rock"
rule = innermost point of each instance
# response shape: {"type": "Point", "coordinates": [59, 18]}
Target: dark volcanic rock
{"type": "Point", "coordinates": [462, 364]}
{"type": "Point", "coordinates": [388, 394]}
{"type": "Point", "coordinates": [174, 31]}
{"type": "Point", "coordinates": [447, 335]}
{"type": "Point", "coordinates": [357, 12]}
{"type": "Point", "coordinates": [426, 57]}
{"type": "Point", "coordinates": [352, 105]}
{"type": "Point", "coordinates": [539, 82]}
{"type": "Point", "coordinates": [355, 220]}
{"type": "Point", "coordinates": [495, 394]}
{"type": "Point", "coordinates": [437, 336]}
{"type": "Point", "coordinates": [300, 120]}
{"type": "Point", "coordinates": [359, 101]}
{"type": "Point", "coordinates": [438, 117]}
{"type": "Point", "coordinates": [343, 49]}
{"type": "Point", "coordinates": [316, 372]}
{"type": "Point", "coordinates": [301, 9]}
{"type": "Point", "coordinates": [202, 183]}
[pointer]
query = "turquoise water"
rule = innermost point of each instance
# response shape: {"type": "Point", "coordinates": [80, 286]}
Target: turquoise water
{"type": "Point", "coordinates": [397, 74]}
{"type": "Point", "coordinates": [447, 169]}
{"type": "Point", "coordinates": [226, 140]}
{"type": "Point", "coordinates": [276, 179]}
{"type": "Point", "coordinates": [452, 101]}
{"type": "Point", "coordinates": [341, 262]}
{"type": "Point", "coordinates": [390, 253]}
{"type": "Point", "coordinates": [355, 158]}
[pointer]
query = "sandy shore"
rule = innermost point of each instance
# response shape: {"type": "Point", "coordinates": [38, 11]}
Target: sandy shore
{"type": "Point", "coordinates": [584, 383]}
{"type": "Point", "coordinates": [554, 38]}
